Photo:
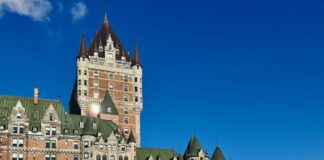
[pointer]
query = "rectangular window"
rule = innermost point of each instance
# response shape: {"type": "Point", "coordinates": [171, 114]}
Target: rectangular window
{"type": "Point", "coordinates": [75, 145]}
{"type": "Point", "coordinates": [21, 142]}
{"type": "Point", "coordinates": [1, 127]}
{"type": "Point", "coordinates": [85, 82]}
{"type": "Point", "coordinates": [15, 142]}
{"type": "Point", "coordinates": [14, 128]}
{"type": "Point", "coordinates": [135, 89]}
{"type": "Point", "coordinates": [47, 131]}
{"type": "Point", "coordinates": [123, 148]}
{"type": "Point", "coordinates": [20, 156]}
{"type": "Point", "coordinates": [125, 88]}
{"type": "Point", "coordinates": [126, 98]}
{"type": "Point", "coordinates": [101, 147]}
{"type": "Point", "coordinates": [79, 82]}
{"type": "Point", "coordinates": [126, 131]}
{"type": "Point", "coordinates": [109, 147]}
{"type": "Point", "coordinates": [53, 144]}
{"type": "Point", "coordinates": [21, 129]}
{"type": "Point", "coordinates": [51, 117]}
{"type": "Point", "coordinates": [96, 84]}
{"type": "Point", "coordinates": [85, 72]}
{"type": "Point", "coordinates": [136, 99]}
{"type": "Point", "coordinates": [75, 157]}
{"type": "Point", "coordinates": [86, 144]}
{"type": "Point", "coordinates": [95, 95]}
{"type": "Point", "coordinates": [86, 155]}
{"type": "Point", "coordinates": [125, 110]}
{"type": "Point", "coordinates": [53, 131]}
{"type": "Point", "coordinates": [47, 144]}
{"type": "Point", "coordinates": [79, 72]}
{"type": "Point", "coordinates": [114, 147]}
{"type": "Point", "coordinates": [85, 93]}
{"type": "Point", "coordinates": [126, 120]}
{"type": "Point", "coordinates": [135, 79]}
{"type": "Point", "coordinates": [96, 74]}
{"type": "Point", "coordinates": [111, 86]}
{"type": "Point", "coordinates": [111, 77]}
{"type": "Point", "coordinates": [125, 78]}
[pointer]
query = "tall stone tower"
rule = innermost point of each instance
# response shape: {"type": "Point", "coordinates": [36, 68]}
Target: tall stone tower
{"type": "Point", "coordinates": [105, 70]}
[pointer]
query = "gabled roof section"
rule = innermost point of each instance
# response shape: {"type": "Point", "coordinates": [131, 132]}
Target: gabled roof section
{"type": "Point", "coordinates": [193, 148]}
{"type": "Point", "coordinates": [136, 60]}
{"type": "Point", "coordinates": [88, 127]}
{"type": "Point", "coordinates": [162, 154]}
{"type": "Point", "coordinates": [108, 103]}
{"type": "Point", "coordinates": [218, 155]}
{"type": "Point", "coordinates": [131, 138]}
{"type": "Point", "coordinates": [102, 35]}
{"type": "Point", "coordinates": [83, 48]}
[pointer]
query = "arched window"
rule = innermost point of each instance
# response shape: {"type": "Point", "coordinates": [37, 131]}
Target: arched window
{"type": "Point", "coordinates": [98, 157]}
{"type": "Point", "coordinates": [112, 157]}
{"type": "Point", "coordinates": [120, 158]}
{"type": "Point", "coordinates": [125, 158]}
{"type": "Point", "coordinates": [104, 157]}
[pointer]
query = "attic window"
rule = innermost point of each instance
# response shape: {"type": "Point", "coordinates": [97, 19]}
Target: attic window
{"type": "Point", "coordinates": [123, 58]}
{"type": "Point", "coordinates": [35, 129]}
{"type": "Point", "coordinates": [100, 48]}
{"type": "Point", "coordinates": [51, 117]}
{"type": "Point", "coordinates": [109, 109]}
{"type": "Point", "coordinates": [18, 115]}
{"type": "Point", "coordinates": [66, 131]}
{"type": "Point", "coordinates": [81, 124]}
{"type": "Point", "coordinates": [94, 125]}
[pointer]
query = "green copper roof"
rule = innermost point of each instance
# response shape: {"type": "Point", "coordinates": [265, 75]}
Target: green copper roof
{"type": "Point", "coordinates": [70, 122]}
{"type": "Point", "coordinates": [193, 148]}
{"type": "Point", "coordinates": [131, 138]}
{"type": "Point", "coordinates": [218, 155]}
{"type": "Point", "coordinates": [108, 103]}
{"type": "Point", "coordinates": [156, 153]}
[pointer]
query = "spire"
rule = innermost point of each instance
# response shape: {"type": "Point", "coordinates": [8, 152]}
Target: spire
{"type": "Point", "coordinates": [218, 155]}
{"type": "Point", "coordinates": [105, 21]}
{"type": "Point", "coordinates": [131, 138]}
{"type": "Point", "coordinates": [83, 48]}
{"type": "Point", "coordinates": [136, 59]}
{"type": "Point", "coordinates": [193, 148]}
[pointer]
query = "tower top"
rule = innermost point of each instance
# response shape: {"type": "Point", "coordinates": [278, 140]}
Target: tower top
{"type": "Point", "coordinates": [136, 60]}
{"type": "Point", "coordinates": [83, 48]}
{"type": "Point", "coordinates": [105, 21]}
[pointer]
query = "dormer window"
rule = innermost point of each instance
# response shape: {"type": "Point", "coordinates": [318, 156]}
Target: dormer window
{"type": "Point", "coordinates": [109, 109]}
{"type": "Point", "coordinates": [1, 127]}
{"type": "Point", "coordinates": [123, 58]}
{"type": "Point", "coordinates": [18, 114]}
{"type": "Point", "coordinates": [94, 125]}
{"type": "Point", "coordinates": [51, 117]}
{"type": "Point", "coordinates": [81, 124]}
{"type": "Point", "coordinates": [96, 54]}
{"type": "Point", "coordinates": [35, 129]}
{"type": "Point", "coordinates": [100, 48]}
{"type": "Point", "coordinates": [66, 131]}
{"type": "Point", "coordinates": [76, 132]}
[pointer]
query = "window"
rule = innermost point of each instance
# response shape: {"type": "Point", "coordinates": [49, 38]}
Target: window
{"type": "Point", "coordinates": [86, 144]}
{"type": "Point", "coordinates": [53, 131]}
{"type": "Point", "coordinates": [35, 129]}
{"type": "Point", "coordinates": [101, 146]}
{"type": "Point", "coordinates": [125, 158]}
{"type": "Point", "coordinates": [1, 127]}
{"type": "Point", "coordinates": [14, 128]}
{"type": "Point", "coordinates": [120, 158]}
{"type": "Point", "coordinates": [75, 145]}
{"type": "Point", "coordinates": [111, 77]}
{"type": "Point", "coordinates": [53, 144]}
{"type": "Point", "coordinates": [79, 72]}
{"type": "Point", "coordinates": [122, 148]}
{"type": "Point", "coordinates": [112, 157]}
{"type": "Point", "coordinates": [50, 157]}
{"type": "Point", "coordinates": [79, 81]}
{"type": "Point", "coordinates": [17, 142]}
{"type": "Point", "coordinates": [47, 130]}
{"type": "Point", "coordinates": [104, 157]}
{"type": "Point", "coordinates": [109, 109]}
{"type": "Point", "coordinates": [81, 124]}
{"type": "Point", "coordinates": [135, 89]}
{"type": "Point", "coordinates": [201, 158]}
{"type": "Point", "coordinates": [95, 54]}
{"type": "Point", "coordinates": [85, 82]}
{"type": "Point", "coordinates": [95, 95]}
{"type": "Point", "coordinates": [135, 79]}
{"type": "Point", "coordinates": [96, 84]}
{"type": "Point", "coordinates": [96, 74]}
{"type": "Point", "coordinates": [114, 147]}
{"type": "Point", "coordinates": [86, 155]}
{"type": "Point", "coordinates": [85, 72]}
{"type": "Point", "coordinates": [126, 98]}
{"type": "Point", "coordinates": [51, 117]}
{"type": "Point", "coordinates": [79, 92]}
{"type": "Point", "coordinates": [111, 86]}
{"type": "Point", "coordinates": [126, 120]}
{"type": "Point", "coordinates": [136, 99]}
{"type": "Point", "coordinates": [21, 129]}
{"type": "Point", "coordinates": [85, 93]}
{"type": "Point", "coordinates": [47, 144]}
{"type": "Point", "coordinates": [18, 114]}
{"type": "Point", "coordinates": [66, 131]}
{"type": "Point", "coordinates": [126, 131]}
{"type": "Point", "coordinates": [125, 88]}
{"type": "Point", "coordinates": [109, 147]}
{"type": "Point", "coordinates": [125, 110]}
{"type": "Point", "coordinates": [16, 156]}
{"type": "Point", "coordinates": [76, 132]}
{"type": "Point", "coordinates": [75, 157]}
{"type": "Point", "coordinates": [98, 157]}
{"type": "Point", "coordinates": [123, 58]}
{"type": "Point", "coordinates": [125, 78]}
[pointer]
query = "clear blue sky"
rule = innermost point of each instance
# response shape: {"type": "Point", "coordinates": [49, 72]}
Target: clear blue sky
{"type": "Point", "coordinates": [248, 72]}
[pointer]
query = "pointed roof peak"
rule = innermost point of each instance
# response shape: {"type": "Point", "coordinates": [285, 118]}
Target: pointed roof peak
{"type": "Point", "coordinates": [218, 155]}
{"type": "Point", "coordinates": [136, 60]}
{"type": "Point", "coordinates": [105, 19]}
{"type": "Point", "coordinates": [108, 106]}
{"type": "Point", "coordinates": [83, 47]}
{"type": "Point", "coordinates": [193, 147]}
{"type": "Point", "coordinates": [131, 138]}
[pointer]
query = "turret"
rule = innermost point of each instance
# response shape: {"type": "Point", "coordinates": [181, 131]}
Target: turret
{"type": "Point", "coordinates": [194, 150]}
{"type": "Point", "coordinates": [83, 48]}
{"type": "Point", "coordinates": [218, 155]}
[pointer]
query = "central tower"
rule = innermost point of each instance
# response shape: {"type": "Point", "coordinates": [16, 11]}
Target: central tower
{"type": "Point", "coordinates": [108, 82]}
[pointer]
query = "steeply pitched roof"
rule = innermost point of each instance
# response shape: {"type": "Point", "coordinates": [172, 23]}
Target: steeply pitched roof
{"type": "Point", "coordinates": [35, 114]}
{"type": "Point", "coordinates": [164, 154]}
{"type": "Point", "coordinates": [136, 59]}
{"type": "Point", "coordinates": [88, 127]}
{"type": "Point", "coordinates": [193, 148]}
{"type": "Point", "coordinates": [218, 155]}
{"type": "Point", "coordinates": [131, 138]}
{"type": "Point", "coordinates": [83, 48]}
{"type": "Point", "coordinates": [102, 35]}
{"type": "Point", "coordinates": [108, 103]}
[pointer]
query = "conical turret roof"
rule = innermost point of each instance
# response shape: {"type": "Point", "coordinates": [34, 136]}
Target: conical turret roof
{"type": "Point", "coordinates": [131, 138]}
{"type": "Point", "coordinates": [83, 48]}
{"type": "Point", "coordinates": [136, 59]}
{"type": "Point", "coordinates": [193, 148]}
{"type": "Point", "coordinates": [218, 155]}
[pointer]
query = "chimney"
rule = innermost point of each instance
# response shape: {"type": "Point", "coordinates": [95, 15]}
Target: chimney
{"type": "Point", "coordinates": [36, 95]}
